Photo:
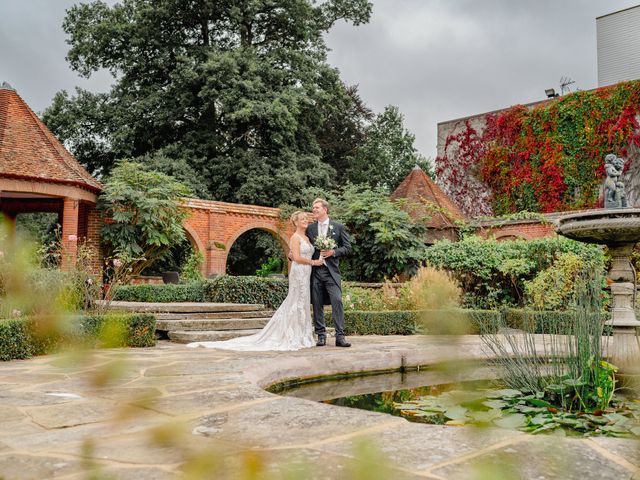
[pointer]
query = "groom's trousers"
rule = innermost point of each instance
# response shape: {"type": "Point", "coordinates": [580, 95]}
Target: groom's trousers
{"type": "Point", "coordinates": [321, 281]}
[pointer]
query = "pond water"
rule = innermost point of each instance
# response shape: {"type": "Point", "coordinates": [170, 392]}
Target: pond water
{"type": "Point", "coordinates": [466, 394]}
{"type": "Point", "coordinates": [379, 392]}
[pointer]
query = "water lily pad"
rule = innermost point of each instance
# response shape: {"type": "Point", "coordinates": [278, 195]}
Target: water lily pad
{"type": "Point", "coordinates": [495, 403]}
{"type": "Point", "coordinates": [456, 413]}
{"type": "Point", "coordinates": [546, 427]}
{"type": "Point", "coordinates": [541, 419]}
{"type": "Point", "coordinates": [505, 392]}
{"type": "Point", "coordinates": [536, 402]}
{"type": "Point", "coordinates": [613, 429]}
{"type": "Point", "coordinates": [512, 421]}
{"type": "Point", "coordinates": [635, 431]}
{"type": "Point", "coordinates": [616, 418]}
{"type": "Point", "coordinates": [485, 417]}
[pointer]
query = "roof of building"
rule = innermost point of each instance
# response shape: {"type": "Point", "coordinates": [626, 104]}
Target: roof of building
{"type": "Point", "coordinates": [29, 151]}
{"type": "Point", "coordinates": [419, 189]}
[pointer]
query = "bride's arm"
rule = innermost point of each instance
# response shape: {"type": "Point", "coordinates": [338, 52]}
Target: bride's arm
{"type": "Point", "coordinates": [295, 252]}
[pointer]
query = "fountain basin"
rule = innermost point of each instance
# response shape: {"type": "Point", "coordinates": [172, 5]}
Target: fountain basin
{"type": "Point", "coordinates": [609, 226]}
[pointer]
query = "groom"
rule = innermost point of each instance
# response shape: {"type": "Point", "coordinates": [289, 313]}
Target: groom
{"type": "Point", "coordinates": [325, 280]}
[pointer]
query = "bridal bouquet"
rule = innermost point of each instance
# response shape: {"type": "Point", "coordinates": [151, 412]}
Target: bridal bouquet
{"type": "Point", "coordinates": [324, 243]}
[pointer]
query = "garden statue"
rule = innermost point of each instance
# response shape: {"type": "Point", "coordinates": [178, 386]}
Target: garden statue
{"type": "Point", "coordinates": [614, 194]}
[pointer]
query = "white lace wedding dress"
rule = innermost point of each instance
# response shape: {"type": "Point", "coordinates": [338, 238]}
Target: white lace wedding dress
{"type": "Point", "coordinates": [291, 327]}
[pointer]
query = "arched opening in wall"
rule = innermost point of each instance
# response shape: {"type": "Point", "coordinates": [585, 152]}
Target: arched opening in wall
{"type": "Point", "coordinates": [42, 229]}
{"type": "Point", "coordinates": [511, 237]}
{"type": "Point", "coordinates": [183, 258]}
{"type": "Point", "coordinates": [256, 252]}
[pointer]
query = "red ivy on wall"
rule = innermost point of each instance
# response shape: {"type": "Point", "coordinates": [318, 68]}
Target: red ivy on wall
{"type": "Point", "coordinates": [546, 158]}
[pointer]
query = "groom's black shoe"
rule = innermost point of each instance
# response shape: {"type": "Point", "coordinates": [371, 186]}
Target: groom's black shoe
{"type": "Point", "coordinates": [342, 342]}
{"type": "Point", "coordinates": [322, 341]}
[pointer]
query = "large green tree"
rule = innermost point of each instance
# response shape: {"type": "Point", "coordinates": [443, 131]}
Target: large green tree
{"type": "Point", "coordinates": [233, 97]}
{"type": "Point", "coordinates": [387, 153]}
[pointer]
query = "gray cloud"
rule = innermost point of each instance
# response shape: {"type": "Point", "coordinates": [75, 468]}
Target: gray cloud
{"type": "Point", "coordinates": [435, 59]}
{"type": "Point", "coordinates": [443, 59]}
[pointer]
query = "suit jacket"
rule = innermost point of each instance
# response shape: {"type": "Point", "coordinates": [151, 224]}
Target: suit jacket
{"type": "Point", "coordinates": [339, 234]}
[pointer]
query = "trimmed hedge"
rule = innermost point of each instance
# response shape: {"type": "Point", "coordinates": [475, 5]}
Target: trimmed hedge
{"type": "Point", "coordinates": [22, 338]}
{"type": "Point", "coordinates": [404, 322]}
{"type": "Point", "coordinates": [455, 322]}
{"type": "Point", "coordinates": [188, 292]}
{"type": "Point", "coordinates": [267, 291]}
{"type": "Point", "coordinates": [379, 323]}
{"type": "Point", "coordinates": [15, 340]}
{"type": "Point", "coordinates": [120, 330]}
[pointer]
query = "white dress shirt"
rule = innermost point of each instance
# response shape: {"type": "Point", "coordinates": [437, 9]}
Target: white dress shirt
{"type": "Point", "coordinates": [323, 227]}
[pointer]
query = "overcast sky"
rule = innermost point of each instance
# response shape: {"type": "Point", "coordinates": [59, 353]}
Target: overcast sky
{"type": "Point", "coordinates": [435, 59]}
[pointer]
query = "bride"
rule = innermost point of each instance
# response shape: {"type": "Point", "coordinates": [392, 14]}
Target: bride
{"type": "Point", "coordinates": [290, 328]}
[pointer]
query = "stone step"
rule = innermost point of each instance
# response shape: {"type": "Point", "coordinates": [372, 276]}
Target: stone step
{"type": "Point", "coordinates": [207, 324]}
{"type": "Point", "coordinates": [183, 307]}
{"type": "Point", "coordinates": [213, 315]}
{"type": "Point", "coordinates": [182, 336]}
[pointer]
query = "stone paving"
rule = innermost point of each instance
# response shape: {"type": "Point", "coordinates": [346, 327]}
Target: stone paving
{"type": "Point", "coordinates": [170, 411]}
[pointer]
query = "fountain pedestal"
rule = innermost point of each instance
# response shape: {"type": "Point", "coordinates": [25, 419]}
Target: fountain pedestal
{"type": "Point", "coordinates": [619, 229]}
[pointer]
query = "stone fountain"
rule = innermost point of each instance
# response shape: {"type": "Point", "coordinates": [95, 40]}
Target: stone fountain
{"type": "Point", "coordinates": [618, 227]}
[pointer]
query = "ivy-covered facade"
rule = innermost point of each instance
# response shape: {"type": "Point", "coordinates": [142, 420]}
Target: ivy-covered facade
{"type": "Point", "coordinates": [543, 158]}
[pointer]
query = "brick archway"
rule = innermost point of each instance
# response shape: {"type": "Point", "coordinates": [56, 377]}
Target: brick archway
{"type": "Point", "coordinates": [215, 226]}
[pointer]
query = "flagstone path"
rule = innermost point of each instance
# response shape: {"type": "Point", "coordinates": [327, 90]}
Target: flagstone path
{"type": "Point", "coordinates": [162, 412]}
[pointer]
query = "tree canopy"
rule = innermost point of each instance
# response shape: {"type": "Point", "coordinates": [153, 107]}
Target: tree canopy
{"type": "Point", "coordinates": [233, 97]}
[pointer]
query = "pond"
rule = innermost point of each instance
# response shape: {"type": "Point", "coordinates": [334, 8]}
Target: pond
{"type": "Point", "coordinates": [378, 392]}
{"type": "Point", "coordinates": [464, 394]}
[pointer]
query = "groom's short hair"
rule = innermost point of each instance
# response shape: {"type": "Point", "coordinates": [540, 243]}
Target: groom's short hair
{"type": "Point", "coordinates": [322, 201]}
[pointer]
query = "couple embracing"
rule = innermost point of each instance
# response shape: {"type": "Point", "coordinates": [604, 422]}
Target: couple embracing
{"type": "Point", "coordinates": [314, 278]}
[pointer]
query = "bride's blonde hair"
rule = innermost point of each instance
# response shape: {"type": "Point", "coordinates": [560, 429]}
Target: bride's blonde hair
{"type": "Point", "coordinates": [295, 216]}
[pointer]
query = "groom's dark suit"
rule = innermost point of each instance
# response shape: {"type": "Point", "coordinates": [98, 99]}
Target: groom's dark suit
{"type": "Point", "coordinates": [325, 280]}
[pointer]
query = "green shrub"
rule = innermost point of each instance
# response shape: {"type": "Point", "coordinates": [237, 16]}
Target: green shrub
{"type": "Point", "coordinates": [15, 340]}
{"type": "Point", "coordinates": [455, 321]}
{"type": "Point", "coordinates": [555, 288]}
{"type": "Point", "coordinates": [119, 330]}
{"type": "Point", "coordinates": [379, 323]}
{"type": "Point", "coordinates": [492, 274]}
{"type": "Point", "coordinates": [408, 322]}
{"type": "Point", "coordinates": [188, 292]}
{"type": "Point", "coordinates": [229, 289]}
{"type": "Point", "coordinates": [24, 338]}
{"type": "Point", "coordinates": [191, 270]}
{"type": "Point", "coordinates": [452, 321]}
{"type": "Point", "coordinates": [272, 265]}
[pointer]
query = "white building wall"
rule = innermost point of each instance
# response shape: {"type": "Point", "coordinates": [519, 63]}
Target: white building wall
{"type": "Point", "coordinates": [618, 37]}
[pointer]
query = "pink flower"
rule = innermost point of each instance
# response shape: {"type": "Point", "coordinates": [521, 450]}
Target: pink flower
{"type": "Point", "coordinates": [117, 262]}
{"type": "Point", "coordinates": [73, 238]}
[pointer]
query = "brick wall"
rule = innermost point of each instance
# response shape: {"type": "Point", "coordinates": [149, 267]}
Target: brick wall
{"type": "Point", "coordinates": [527, 230]}
{"type": "Point", "coordinates": [213, 227]}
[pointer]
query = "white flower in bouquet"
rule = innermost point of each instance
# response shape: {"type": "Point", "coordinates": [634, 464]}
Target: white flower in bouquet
{"type": "Point", "coordinates": [324, 243]}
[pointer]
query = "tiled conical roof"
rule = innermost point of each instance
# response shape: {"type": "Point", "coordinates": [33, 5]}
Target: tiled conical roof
{"type": "Point", "coordinates": [418, 188]}
{"type": "Point", "coordinates": [29, 151]}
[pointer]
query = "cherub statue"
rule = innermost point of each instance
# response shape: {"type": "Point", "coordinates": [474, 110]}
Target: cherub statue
{"type": "Point", "coordinates": [614, 194]}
